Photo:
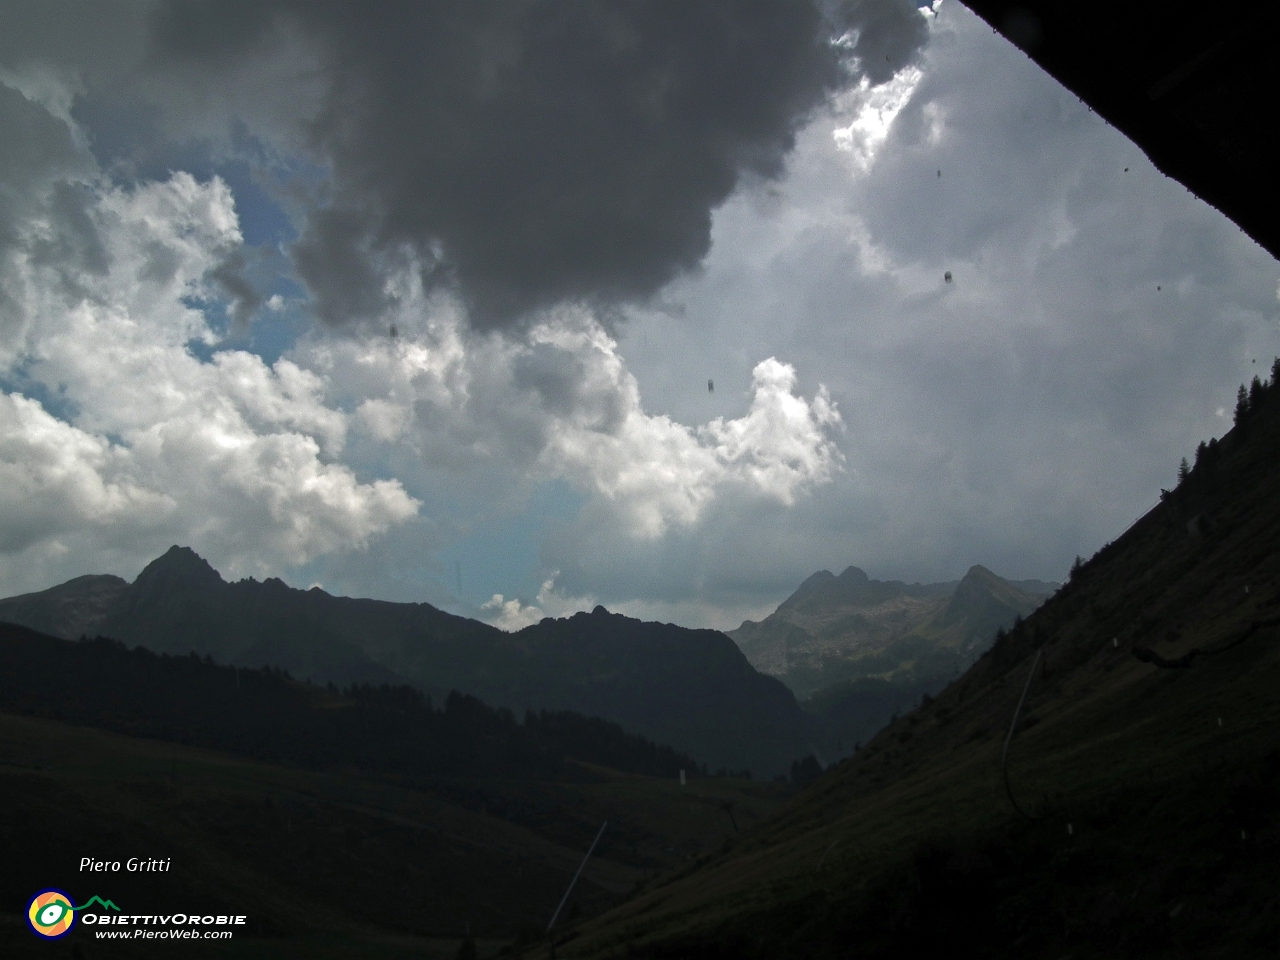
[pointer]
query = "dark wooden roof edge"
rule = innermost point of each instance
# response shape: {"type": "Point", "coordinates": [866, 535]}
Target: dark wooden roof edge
{"type": "Point", "coordinates": [1151, 85]}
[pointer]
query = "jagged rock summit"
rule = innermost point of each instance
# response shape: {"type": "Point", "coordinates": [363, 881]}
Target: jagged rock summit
{"type": "Point", "coordinates": [179, 566]}
{"type": "Point", "coordinates": [838, 629]}
{"type": "Point", "coordinates": [824, 591]}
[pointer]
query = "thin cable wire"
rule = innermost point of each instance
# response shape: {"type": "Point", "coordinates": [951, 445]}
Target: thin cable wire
{"type": "Point", "coordinates": [828, 850]}
{"type": "Point", "coordinates": [1004, 760]}
{"type": "Point", "coordinates": [565, 898]}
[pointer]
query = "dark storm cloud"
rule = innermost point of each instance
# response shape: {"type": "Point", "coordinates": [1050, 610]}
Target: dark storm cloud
{"type": "Point", "coordinates": [537, 152]}
{"type": "Point", "coordinates": [342, 272]}
{"type": "Point", "coordinates": [35, 147]}
{"type": "Point", "coordinates": [99, 40]}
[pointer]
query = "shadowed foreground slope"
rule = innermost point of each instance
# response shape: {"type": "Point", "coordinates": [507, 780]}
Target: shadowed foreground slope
{"type": "Point", "coordinates": [326, 862]}
{"type": "Point", "coordinates": [312, 811]}
{"type": "Point", "coordinates": [1147, 759]}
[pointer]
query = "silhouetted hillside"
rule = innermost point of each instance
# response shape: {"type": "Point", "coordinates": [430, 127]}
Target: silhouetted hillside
{"type": "Point", "coordinates": [602, 742]}
{"type": "Point", "coordinates": [70, 610]}
{"type": "Point", "coordinates": [848, 714]}
{"type": "Point", "coordinates": [265, 714]}
{"type": "Point", "coordinates": [691, 689]}
{"type": "Point", "coordinates": [470, 819]}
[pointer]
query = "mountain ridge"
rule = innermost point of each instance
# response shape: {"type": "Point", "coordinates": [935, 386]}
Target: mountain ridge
{"type": "Point", "coordinates": [691, 689]}
{"type": "Point", "coordinates": [68, 610]}
{"type": "Point", "coordinates": [834, 630]}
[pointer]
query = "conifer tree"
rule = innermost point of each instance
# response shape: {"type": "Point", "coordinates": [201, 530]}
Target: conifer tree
{"type": "Point", "coordinates": [1242, 404]}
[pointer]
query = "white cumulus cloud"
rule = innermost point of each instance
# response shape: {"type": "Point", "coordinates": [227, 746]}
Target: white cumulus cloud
{"type": "Point", "coordinates": [55, 478]}
{"type": "Point", "coordinates": [119, 432]}
{"type": "Point", "coordinates": [656, 472]}
{"type": "Point", "coordinates": [512, 615]}
{"type": "Point", "coordinates": [560, 403]}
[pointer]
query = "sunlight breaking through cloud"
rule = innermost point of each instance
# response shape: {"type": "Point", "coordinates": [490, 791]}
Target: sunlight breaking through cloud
{"type": "Point", "coordinates": [875, 108]}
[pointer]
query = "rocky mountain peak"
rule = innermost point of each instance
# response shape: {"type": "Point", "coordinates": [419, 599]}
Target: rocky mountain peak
{"type": "Point", "coordinates": [812, 586]}
{"type": "Point", "coordinates": [178, 569]}
{"type": "Point", "coordinates": [983, 598]}
{"type": "Point", "coordinates": [853, 575]}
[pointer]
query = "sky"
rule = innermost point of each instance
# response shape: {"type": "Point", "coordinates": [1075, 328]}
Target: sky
{"type": "Point", "coordinates": [517, 308]}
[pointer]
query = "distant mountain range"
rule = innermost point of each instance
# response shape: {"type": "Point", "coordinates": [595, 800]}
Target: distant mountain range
{"type": "Point", "coordinates": [835, 630]}
{"type": "Point", "coordinates": [690, 689]}
{"type": "Point", "coordinates": [872, 648]}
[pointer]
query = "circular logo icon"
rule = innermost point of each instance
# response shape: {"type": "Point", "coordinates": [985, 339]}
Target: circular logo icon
{"type": "Point", "coordinates": [50, 914]}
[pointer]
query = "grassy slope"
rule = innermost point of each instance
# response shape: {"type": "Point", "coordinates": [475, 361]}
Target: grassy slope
{"type": "Point", "coordinates": [326, 863]}
{"type": "Point", "coordinates": [1173, 817]}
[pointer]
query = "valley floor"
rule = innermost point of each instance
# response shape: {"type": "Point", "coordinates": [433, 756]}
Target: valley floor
{"type": "Point", "coordinates": [328, 863]}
